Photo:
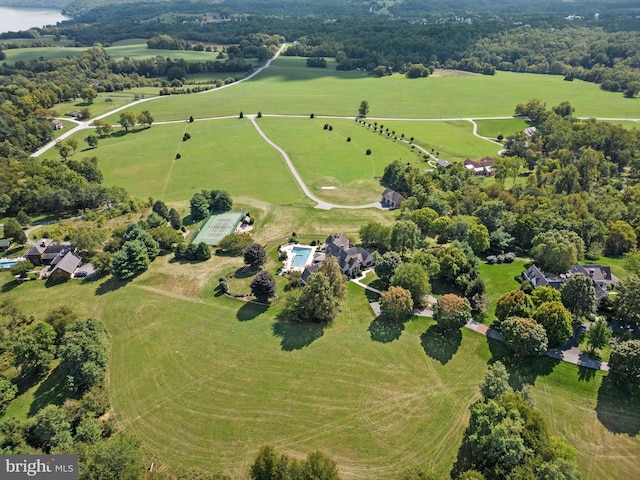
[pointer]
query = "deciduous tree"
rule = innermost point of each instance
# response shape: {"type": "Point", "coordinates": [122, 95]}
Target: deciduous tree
{"type": "Point", "coordinates": [514, 304]}
{"type": "Point", "coordinates": [627, 301]}
{"type": "Point", "coordinates": [414, 278]}
{"type": "Point", "coordinates": [363, 109]}
{"type": "Point", "coordinates": [84, 354]}
{"type": "Point", "coordinates": [524, 336]}
{"type": "Point", "coordinates": [263, 286]}
{"type": "Point", "coordinates": [386, 266]}
{"type": "Point", "coordinates": [624, 362]}
{"type": "Point", "coordinates": [621, 239]}
{"type": "Point", "coordinates": [556, 251]}
{"type": "Point", "coordinates": [337, 279]}
{"type": "Point", "coordinates": [199, 207]}
{"type": "Point", "coordinates": [317, 303]}
{"type": "Point", "coordinates": [130, 260]}
{"type": "Point", "coordinates": [598, 335]}
{"type": "Point", "coordinates": [255, 255]}
{"type": "Point", "coordinates": [556, 321]}
{"type": "Point", "coordinates": [396, 304]}
{"type": "Point", "coordinates": [405, 236]}
{"type": "Point", "coordinates": [452, 312]}
{"type": "Point", "coordinates": [34, 348]}
{"type": "Point", "coordinates": [128, 120]}
{"type": "Point", "coordinates": [577, 294]}
{"type": "Point", "coordinates": [496, 381]}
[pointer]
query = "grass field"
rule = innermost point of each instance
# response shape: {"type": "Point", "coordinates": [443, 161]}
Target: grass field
{"type": "Point", "coordinates": [289, 87]}
{"type": "Point", "coordinates": [324, 158]}
{"type": "Point", "coordinates": [133, 48]}
{"type": "Point", "coordinates": [206, 381]}
{"type": "Point", "coordinates": [453, 141]}
{"type": "Point", "coordinates": [493, 128]}
{"type": "Point", "coordinates": [223, 154]}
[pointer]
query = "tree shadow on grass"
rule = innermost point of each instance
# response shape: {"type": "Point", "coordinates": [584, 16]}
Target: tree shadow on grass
{"type": "Point", "coordinates": [249, 311]}
{"type": "Point", "coordinates": [246, 272]}
{"type": "Point", "coordinates": [522, 370]}
{"type": "Point", "coordinates": [295, 335]}
{"type": "Point", "coordinates": [385, 331]}
{"type": "Point", "coordinates": [50, 392]}
{"type": "Point", "coordinates": [439, 344]}
{"type": "Point", "coordinates": [618, 409]}
{"type": "Point", "coordinates": [110, 285]}
{"type": "Point", "coordinates": [7, 287]}
{"type": "Point", "coordinates": [586, 374]}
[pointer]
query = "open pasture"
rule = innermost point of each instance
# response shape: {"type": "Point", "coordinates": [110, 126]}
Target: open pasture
{"type": "Point", "coordinates": [289, 87]}
{"type": "Point", "coordinates": [132, 48]}
{"type": "Point", "coordinates": [493, 128]}
{"type": "Point", "coordinates": [207, 381]}
{"type": "Point", "coordinates": [334, 169]}
{"type": "Point", "coordinates": [224, 154]}
{"type": "Point", "coordinates": [452, 141]}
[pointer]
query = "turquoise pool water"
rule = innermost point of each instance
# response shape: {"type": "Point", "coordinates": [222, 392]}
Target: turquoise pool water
{"type": "Point", "coordinates": [7, 263]}
{"type": "Point", "coordinates": [300, 256]}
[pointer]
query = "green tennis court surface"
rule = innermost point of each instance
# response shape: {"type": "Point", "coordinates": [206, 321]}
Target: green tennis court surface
{"type": "Point", "coordinates": [218, 226]}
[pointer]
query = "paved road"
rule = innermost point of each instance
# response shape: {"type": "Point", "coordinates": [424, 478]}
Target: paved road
{"type": "Point", "coordinates": [321, 204]}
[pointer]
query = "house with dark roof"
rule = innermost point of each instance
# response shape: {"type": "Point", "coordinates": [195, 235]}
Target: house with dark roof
{"type": "Point", "coordinates": [352, 260]}
{"type": "Point", "coordinates": [600, 275]}
{"type": "Point", "coordinates": [483, 167]}
{"type": "Point", "coordinates": [391, 198]}
{"type": "Point", "coordinates": [65, 266]}
{"type": "Point", "coordinates": [45, 252]}
{"type": "Point", "coordinates": [5, 244]}
{"type": "Point", "coordinates": [34, 254]}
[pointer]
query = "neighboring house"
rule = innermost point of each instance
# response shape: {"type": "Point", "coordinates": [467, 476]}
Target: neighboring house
{"type": "Point", "coordinates": [56, 124]}
{"type": "Point", "coordinates": [45, 252]}
{"type": "Point", "coordinates": [5, 244]}
{"type": "Point", "coordinates": [350, 259]}
{"type": "Point", "coordinates": [65, 265]}
{"type": "Point", "coordinates": [483, 167]}
{"type": "Point", "coordinates": [443, 163]}
{"type": "Point", "coordinates": [601, 276]}
{"type": "Point", "coordinates": [529, 131]}
{"type": "Point", "coordinates": [34, 254]}
{"type": "Point", "coordinates": [391, 198]}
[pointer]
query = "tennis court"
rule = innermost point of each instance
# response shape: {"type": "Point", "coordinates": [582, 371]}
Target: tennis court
{"type": "Point", "coordinates": [218, 226]}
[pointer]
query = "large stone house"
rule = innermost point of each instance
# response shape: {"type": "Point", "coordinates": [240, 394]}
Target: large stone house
{"type": "Point", "coordinates": [601, 276]}
{"type": "Point", "coordinates": [352, 260]}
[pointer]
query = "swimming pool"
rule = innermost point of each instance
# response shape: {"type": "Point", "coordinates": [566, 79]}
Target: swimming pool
{"type": "Point", "coordinates": [300, 256]}
{"type": "Point", "coordinates": [8, 262]}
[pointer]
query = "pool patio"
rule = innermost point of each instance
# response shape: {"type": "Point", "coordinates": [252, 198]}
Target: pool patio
{"type": "Point", "coordinates": [289, 264]}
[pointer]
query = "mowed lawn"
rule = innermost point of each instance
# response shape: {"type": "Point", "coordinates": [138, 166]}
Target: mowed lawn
{"type": "Point", "coordinates": [208, 384]}
{"type": "Point", "coordinates": [289, 87]}
{"type": "Point", "coordinates": [222, 154]}
{"type": "Point", "coordinates": [452, 141]}
{"type": "Point", "coordinates": [207, 381]}
{"type": "Point", "coordinates": [504, 127]}
{"type": "Point", "coordinates": [334, 169]}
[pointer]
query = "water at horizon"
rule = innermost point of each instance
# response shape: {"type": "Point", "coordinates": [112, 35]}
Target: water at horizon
{"type": "Point", "coordinates": [13, 19]}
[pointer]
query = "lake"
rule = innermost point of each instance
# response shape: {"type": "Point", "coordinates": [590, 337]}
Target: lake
{"type": "Point", "coordinates": [15, 19]}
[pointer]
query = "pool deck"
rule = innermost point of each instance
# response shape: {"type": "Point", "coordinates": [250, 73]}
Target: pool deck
{"type": "Point", "coordinates": [288, 263]}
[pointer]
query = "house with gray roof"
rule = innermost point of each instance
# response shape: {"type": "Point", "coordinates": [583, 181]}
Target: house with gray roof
{"type": "Point", "coordinates": [600, 275]}
{"type": "Point", "coordinates": [352, 260]}
{"type": "Point", "coordinates": [391, 198]}
{"type": "Point", "coordinates": [65, 266]}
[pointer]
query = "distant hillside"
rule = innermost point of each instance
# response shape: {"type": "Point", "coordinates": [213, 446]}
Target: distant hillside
{"type": "Point", "coordinates": [53, 4]}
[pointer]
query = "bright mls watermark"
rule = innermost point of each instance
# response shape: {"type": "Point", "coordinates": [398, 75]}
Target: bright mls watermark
{"type": "Point", "coordinates": [46, 467]}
